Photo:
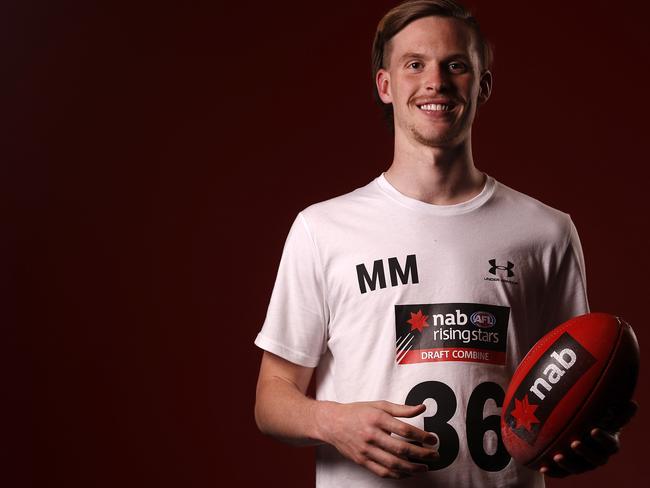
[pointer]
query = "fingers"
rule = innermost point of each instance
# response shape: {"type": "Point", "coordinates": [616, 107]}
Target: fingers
{"type": "Point", "coordinates": [604, 441]}
{"type": "Point", "coordinates": [562, 465]}
{"type": "Point", "coordinates": [554, 471]}
{"type": "Point", "coordinates": [590, 455]}
{"type": "Point", "coordinates": [406, 450]}
{"type": "Point", "coordinates": [407, 431]}
{"type": "Point", "coordinates": [584, 455]}
{"type": "Point", "coordinates": [383, 471]}
{"type": "Point", "coordinates": [368, 440]}
{"type": "Point", "coordinates": [394, 464]}
{"type": "Point", "coordinates": [397, 410]}
{"type": "Point", "coordinates": [572, 463]}
{"type": "Point", "coordinates": [390, 455]}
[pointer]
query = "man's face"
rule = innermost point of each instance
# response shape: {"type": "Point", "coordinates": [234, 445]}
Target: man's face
{"type": "Point", "coordinates": [433, 80]}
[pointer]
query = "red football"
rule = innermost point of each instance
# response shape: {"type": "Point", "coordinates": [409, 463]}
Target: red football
{"type": "Point", "coordinates": [576, 377]}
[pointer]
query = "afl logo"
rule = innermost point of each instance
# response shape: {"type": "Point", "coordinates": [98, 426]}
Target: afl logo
{"type": "Point", "coordinates": [484, 320]}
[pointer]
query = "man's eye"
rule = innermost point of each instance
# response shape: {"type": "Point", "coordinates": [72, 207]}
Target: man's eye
{"type": "Point", "coordinates": [415, 65]}
{"type": "Point", "coordinates": [455, 66]}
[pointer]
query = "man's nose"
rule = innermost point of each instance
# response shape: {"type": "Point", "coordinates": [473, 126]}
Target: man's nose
{"type": "Point", "coordinates": [435, 79]}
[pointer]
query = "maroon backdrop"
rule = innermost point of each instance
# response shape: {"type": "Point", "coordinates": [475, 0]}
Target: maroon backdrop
{"type": "Point", "coordinates": [153, 157]}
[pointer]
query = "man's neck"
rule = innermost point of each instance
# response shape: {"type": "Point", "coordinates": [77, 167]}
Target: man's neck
{"type": "Point", "coordinates": [435, 175]}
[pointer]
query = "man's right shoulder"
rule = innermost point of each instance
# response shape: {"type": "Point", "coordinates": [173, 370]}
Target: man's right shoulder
{"type": "Point", "coordinates": [357, 201]}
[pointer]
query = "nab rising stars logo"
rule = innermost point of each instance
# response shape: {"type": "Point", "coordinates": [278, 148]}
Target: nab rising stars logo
{"type": "Point", "coordinates": [431, 332]}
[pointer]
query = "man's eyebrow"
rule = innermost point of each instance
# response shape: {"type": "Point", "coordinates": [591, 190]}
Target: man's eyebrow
{"type": "Point", "coordinates": [459, 56]}
{"type": "Point", "coordinates": [410, 55]}
{"type": "Point", "coordinates": [416, 55]}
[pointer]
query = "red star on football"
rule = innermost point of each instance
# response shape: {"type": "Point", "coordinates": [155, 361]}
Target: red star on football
{"type": "Point", "coordinates": [524, 413]}
{"type": "Point", "coordinates": [418, 321]}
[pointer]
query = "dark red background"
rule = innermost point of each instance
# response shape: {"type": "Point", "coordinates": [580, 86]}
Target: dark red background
{"type": "Point", "coordinates": [153, 158]}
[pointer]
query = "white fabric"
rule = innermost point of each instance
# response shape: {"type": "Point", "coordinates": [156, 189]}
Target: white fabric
{"type": "Point", "coordinates": [318, 316]}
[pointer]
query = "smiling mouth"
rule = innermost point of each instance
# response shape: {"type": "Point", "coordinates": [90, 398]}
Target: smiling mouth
{"type": "Point", "coordinates": [436, 107]}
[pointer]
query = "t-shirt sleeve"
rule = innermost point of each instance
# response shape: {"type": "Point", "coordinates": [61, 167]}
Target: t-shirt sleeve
{"type": "Point", "coordinates": [295, 327]}
{"type": "Point", "coordinates": [567, 294]}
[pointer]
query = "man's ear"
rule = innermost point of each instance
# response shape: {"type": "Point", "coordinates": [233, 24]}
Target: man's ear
{"type": "Point", "coordinates": [382, 80]}
{"type": "Point", "coordinates": [485, 87]}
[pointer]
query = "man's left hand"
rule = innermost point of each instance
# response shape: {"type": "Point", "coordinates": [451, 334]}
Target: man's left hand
{"type": "Point", "coordinates": [590, 452]}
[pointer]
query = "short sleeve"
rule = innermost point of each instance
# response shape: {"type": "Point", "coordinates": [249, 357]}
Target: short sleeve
{"type": "Point", "coordinates": [567, 294]}
{"type": "Point", "coordinates": [296, 320]}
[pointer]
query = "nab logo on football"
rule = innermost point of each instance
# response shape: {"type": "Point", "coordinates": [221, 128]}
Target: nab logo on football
{"type": "Point", "coordinates": [556, 371]}
{"type": "Point", "coordinates": [553, 373]}
{"type": "Point", "coordinates": [484, 320]}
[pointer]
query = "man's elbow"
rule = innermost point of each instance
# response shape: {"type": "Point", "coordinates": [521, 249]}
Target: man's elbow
{"type": "Point", "coordinates": [259, 418]}
{"type": "Point", "coordinates": [261, 412]}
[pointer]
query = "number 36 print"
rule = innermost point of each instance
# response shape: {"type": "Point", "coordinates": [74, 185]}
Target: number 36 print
{"type": "Point", "coordinates": [475, 424]}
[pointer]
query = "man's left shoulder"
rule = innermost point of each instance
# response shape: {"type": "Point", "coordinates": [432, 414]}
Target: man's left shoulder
{"type": "Point", "coordinates": [527, 206]}
{"type": "Point", "coordinates": [532, 213]}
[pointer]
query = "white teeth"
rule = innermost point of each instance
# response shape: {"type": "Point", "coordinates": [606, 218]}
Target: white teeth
{"type": "Point", "coordinates": [435, 107]}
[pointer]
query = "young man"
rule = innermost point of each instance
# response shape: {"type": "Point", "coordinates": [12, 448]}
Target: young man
{"type": "Point", "coordinates": [415, 296]}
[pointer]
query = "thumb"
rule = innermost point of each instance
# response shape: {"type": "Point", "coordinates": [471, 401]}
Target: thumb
{"type": "Point", "coordinates": [399, 410]}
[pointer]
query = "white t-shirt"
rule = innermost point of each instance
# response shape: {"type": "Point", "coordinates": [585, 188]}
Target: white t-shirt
{"type": "Point", "coordinates": [396, 299]}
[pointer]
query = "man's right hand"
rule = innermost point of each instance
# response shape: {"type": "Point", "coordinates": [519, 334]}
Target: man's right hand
{"type": "Point", "coordinates": [362, 432]}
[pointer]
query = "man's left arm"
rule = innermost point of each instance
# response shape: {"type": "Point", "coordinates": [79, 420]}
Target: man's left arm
{"type": "Point", "coordinates": [567, 299]}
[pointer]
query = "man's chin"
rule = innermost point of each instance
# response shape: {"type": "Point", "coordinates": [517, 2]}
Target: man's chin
{"type": "Point", "coordinates": [433, 140]}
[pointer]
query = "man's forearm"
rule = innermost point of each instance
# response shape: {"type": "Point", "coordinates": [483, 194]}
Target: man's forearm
{"type": "Point", "coordinates": [284, 412]}
{"type": "Point", "coordinates": [360, 431]}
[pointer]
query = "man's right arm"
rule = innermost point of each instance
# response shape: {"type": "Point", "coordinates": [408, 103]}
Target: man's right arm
{"type": "Point", "coordinates": [360, 431]}
{"type": "Point", "coordinates": [282, 410]}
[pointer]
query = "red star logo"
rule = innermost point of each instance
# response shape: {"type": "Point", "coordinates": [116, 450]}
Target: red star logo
{"type": "Point", "coordinates": [418, 321]}
{"type": "Point", "coordinates": [524, 413]}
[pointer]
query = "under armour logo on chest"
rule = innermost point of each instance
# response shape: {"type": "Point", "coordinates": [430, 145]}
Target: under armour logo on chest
{"type": "Point", "coordinates": [508, 268]}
